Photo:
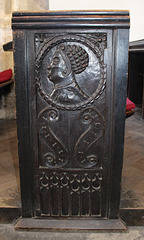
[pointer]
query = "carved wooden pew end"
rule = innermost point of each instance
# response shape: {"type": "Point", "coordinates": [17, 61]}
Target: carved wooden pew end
{"type": "Point", "coordinates": [70, 73]}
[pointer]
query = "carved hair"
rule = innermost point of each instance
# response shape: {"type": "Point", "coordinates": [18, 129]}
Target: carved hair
{"type": "Point", "coordinates": [78, 57]}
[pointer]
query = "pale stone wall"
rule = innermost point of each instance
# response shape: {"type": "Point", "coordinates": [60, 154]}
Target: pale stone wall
{"type": "Point", "coordinates": [5, 34]}
{"type": "Point", "coordinates": [7, 101]}
{"type": "Point", "coordinates": [136, 9]}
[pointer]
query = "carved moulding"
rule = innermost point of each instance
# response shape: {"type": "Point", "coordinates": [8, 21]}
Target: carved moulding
{"type": "Point", "coordinates": [95, 46]}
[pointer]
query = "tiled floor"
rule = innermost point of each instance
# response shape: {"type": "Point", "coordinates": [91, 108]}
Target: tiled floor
{"type": "Point", "coordinates": [9, 170]}
{"type": "Point", "coordinates": [133, 170]}
{"type": "Point", "coordinates": [7, 232]}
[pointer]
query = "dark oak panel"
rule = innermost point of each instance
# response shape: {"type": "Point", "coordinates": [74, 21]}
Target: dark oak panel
{"type": "Point", "coordinates": [72, 104]}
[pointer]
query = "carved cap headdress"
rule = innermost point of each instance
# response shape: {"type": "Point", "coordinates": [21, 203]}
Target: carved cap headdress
{"type": "Point", "coordinates": [67, 61]}
{"type": "Point", "coordinates": [75, 58]}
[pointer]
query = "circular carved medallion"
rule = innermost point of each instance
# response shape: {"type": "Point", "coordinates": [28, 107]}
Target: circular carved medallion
{"type": "Point", "coordinates": [70, 73]}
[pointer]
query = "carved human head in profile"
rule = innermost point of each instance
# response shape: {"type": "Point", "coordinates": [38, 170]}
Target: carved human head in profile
{"type": "Point", "coordinates": [67, 61]}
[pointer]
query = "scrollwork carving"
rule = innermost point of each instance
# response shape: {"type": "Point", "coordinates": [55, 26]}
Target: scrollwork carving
{"type": "Point", "coordinates": [93, 123]}
{"type": "Point", "coordinates": [57, 157]}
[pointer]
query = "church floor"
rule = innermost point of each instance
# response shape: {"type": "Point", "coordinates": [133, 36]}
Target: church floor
{"type": "Point", "coordinates": [7, 232]}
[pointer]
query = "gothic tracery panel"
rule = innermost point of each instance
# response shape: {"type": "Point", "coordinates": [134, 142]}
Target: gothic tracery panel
{"type": "Point", "coordinates": [70, 193]}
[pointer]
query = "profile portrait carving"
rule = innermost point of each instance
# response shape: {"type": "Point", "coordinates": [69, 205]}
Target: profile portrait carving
{"type": "Point", "coordinates": [70, 70]}
{"type": "Point", "coordinates": [67, 61]}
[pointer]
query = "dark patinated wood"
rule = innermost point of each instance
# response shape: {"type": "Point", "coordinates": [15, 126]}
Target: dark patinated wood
{"type": "Point", "coordinates": [142, 79]}
{"type": "Point", "coordinates": [70, 72]}
{"type": "Point", "coordinates": [132, 216]}
{"type": "Point", "coordinates": [9, 214]}
{"type": "Point", "coordinates": [136, 71]}
{"type": "Point", "coordinates": [23, 123]}
{"type": "Point", "coordinates": [8, 46]}
{"type": "Point", "coordinates": [71, 19]}
{"type": "Point", "coordinates": [6, 83]}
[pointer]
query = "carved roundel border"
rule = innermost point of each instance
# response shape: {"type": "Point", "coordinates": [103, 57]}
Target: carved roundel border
{"type": "Point", "coordinates": [47, 46]}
